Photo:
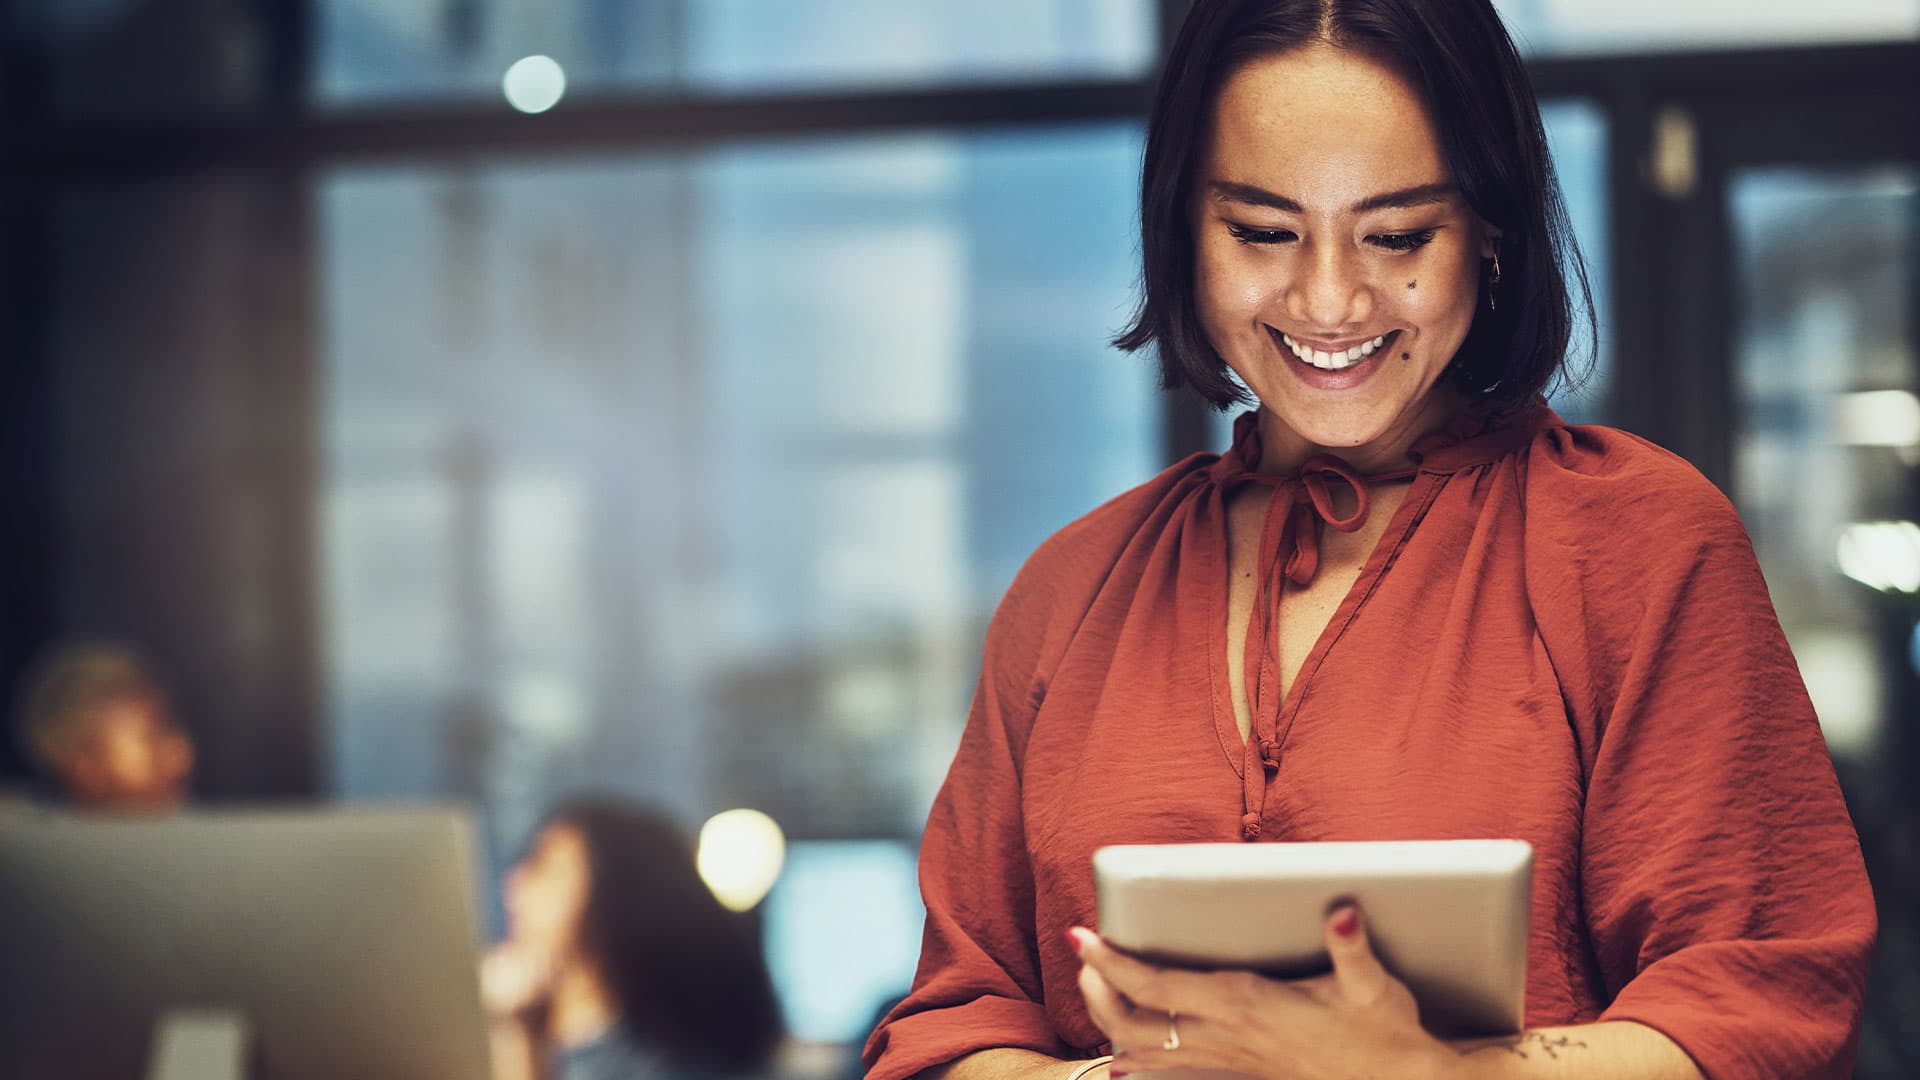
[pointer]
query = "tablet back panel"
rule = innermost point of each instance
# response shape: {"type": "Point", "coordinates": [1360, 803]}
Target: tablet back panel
{"type": "Point", "coordinates": [1448, 917]}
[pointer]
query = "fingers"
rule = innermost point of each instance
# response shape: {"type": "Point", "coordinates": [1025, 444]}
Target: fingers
{"type": "Point", "coordinates": [1357, 972]}
{"type": "Point", "coordinates": [1134, 1002]}
{"type": "Point", "coordinates": [514, 978]}
{"type": "Point", "coordinates": [1320, 989]}
{"type": "Point", "coordinates": [1140, 982]}
{"type": "Point", "coordinates": [1140, 1036]}
{"type": "Point", "coordinates": [1111, 1013]}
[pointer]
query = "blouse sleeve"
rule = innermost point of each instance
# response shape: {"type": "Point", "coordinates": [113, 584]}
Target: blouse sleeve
{"type": "Point", "coordinates": [1726, 900]}
{"type": "Point", "coordinates": [978, 984]}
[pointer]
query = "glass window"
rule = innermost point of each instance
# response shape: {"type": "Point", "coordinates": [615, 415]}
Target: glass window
{"type": "Point", "coordinates": [1828, 365]}
{"type": "Point", "coordinates": [370, 51]}
{"type": "Point", "coordinates": [1560, 27]}
{"type": "Point", "coordinates": [1577, 137]}
{"type": "Point", "coordinates": [843, 934]}
{"type": "Point", "coordinates": [698, 477]}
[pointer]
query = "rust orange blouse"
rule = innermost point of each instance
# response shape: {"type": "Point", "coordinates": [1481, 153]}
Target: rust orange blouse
{"type": "Point", "coordinates": [1563, 637]}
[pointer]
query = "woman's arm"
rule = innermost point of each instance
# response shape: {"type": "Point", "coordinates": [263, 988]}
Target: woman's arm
{"type": "Point", "coordinates": [979, 987]}
{"type": "Point", "coordinates": [515, 1051]}
{"type": "Point", "coordinates": [1616, 1050]}
{"type": "Point", "coordinates": [1008, 1064]}
{"type": "Point", "coordinates": [516, 987]}
{"type": "Point", "coordinates": [1722, 889]}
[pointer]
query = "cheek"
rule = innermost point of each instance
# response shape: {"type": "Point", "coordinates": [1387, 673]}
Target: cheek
{"type": "Point", "coordinates": [1433, 297]}
{"type": "Point", "coordinates": [570, 899]}
{"type": "Point", "coordinates": [127, 754]}
{"type": "Point", "coordinates": [1448, 286]}
{"type": "Point", "coordinates": [1229, 287]}
{"type": "Point", "coordinates": [548, 905]}
{"type": "Point", "coordinates": [537, 905]}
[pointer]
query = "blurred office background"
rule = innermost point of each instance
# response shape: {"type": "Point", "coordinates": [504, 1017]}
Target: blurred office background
{"type": "Point", "coordinates": [491, 399]}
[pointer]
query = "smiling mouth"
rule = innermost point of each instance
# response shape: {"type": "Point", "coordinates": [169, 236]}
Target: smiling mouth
{"type": "Point", "coordinates": [1335, 361]}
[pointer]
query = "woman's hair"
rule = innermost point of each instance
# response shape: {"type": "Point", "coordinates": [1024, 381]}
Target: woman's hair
{"type": "Point", "coordinates": [1457, 54]}
{"type": "Point", "coordinates": [689, 974]}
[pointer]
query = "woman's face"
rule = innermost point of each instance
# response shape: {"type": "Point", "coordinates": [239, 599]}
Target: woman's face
{"type": "Point", "coordinates": [546, 892]}
{"type": "Point", "coordinates": [135, 757]}
{"type": "Point", "coordinates": [1325, 219]}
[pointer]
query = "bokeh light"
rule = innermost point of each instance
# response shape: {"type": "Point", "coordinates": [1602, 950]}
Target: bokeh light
{"type": "Point", "coordinates": [534, 84]}
{"type": "Point", "coordinates": [741, 852]}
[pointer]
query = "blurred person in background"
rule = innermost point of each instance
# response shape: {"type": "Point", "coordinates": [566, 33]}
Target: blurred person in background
{"type": "Point", "coordinates": [98, 723]}
{"type": "Point", "coordinates": [1409, 602]}
{"type": "Point", "coordinates": [619, 963]}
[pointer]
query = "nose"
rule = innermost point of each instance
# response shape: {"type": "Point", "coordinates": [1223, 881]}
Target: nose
{"type": "Point", "coordinates": [1328, 294]}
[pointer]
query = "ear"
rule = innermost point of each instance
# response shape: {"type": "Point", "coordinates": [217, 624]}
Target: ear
{"type": "Point", "coordinates": [1489, 241]}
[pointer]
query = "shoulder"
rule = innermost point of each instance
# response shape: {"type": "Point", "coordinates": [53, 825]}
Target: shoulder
{"type": "Point", "coordinates": [1593, 487]}
{"type": "Point", "coordinates": [1620, 531]}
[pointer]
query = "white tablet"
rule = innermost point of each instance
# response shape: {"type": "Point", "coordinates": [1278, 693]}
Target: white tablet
{"type": "Point", "coordinates": [1447, 917]}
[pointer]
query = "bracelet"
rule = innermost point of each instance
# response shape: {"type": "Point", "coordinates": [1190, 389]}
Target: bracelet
{"type": "Point", "coordinates": [1088, 1067]}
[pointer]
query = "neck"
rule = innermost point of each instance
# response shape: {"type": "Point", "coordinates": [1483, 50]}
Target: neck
{"type": "Point", "coordinates": [1283, 450]}
{"type": "Point", "coordinates": [582, 1007]}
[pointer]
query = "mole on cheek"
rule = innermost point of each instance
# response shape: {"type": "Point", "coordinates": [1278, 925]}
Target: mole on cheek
{"type": "Point", "coordinates": [1406, 356]}
{"type": "Point", "coordinates": [1411, 284]}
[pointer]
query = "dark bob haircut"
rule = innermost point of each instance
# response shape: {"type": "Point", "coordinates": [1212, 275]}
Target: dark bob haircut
{"type": "Point", "coordinates": [1457, 54]}
{"type": "Point", "coordinates": [690, 975]}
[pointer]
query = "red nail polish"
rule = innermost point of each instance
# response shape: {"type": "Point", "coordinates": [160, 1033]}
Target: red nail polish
{"type": "Point", "coordinates": [1346, 922]}
{"type": "Point", "coordinates": [1073, 939]}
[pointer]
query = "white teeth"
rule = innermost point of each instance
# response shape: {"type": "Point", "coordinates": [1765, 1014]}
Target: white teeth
{"type": "Point", "coordinates": [1334, 361]}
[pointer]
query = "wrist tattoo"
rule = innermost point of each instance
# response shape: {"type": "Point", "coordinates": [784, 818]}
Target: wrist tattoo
{"type": "Point", "coordinates": [1551, 1045]}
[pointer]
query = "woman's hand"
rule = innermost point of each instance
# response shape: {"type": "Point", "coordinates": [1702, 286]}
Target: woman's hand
{"type": "Point", "coordinates": [1358, 1021]}
{"type": "Point", "coordinates": [515, 981]}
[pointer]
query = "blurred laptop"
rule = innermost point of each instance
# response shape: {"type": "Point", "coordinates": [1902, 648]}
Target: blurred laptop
{"type": "Point", "coordinates": [338, 943]}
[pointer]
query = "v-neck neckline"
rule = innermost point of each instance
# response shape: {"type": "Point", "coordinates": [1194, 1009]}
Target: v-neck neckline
{"type": "Point", "coordinates": [1426, 485]}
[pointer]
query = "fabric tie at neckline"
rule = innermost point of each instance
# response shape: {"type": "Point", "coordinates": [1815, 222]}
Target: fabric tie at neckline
{"type": "Point", "coordinates": [1290, 552]}
{"type": "Point", "coordinates": [1295, 525]}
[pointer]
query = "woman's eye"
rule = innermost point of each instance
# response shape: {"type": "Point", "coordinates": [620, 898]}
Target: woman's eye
{"type": "Point", "coordinates": [1259, 236]}
{"type": "Point", "coordinates": [1395, 242]}
{"type": "Point", "coordinates": [1404, 241]}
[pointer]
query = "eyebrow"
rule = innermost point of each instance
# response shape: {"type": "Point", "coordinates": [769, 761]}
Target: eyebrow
{"type": "Point", "coordinates": [1421, 195]}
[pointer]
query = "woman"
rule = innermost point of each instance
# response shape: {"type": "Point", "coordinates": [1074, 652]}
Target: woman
{"type": "Point", "coordinates": [1514, 627]}
{"type": "Point", "coordinates": [619, 963]}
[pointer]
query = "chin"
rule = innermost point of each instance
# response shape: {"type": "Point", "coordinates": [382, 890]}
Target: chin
{"type": "Point", "coordinates": [1336, 436]}
{"type": "Point", "coordinates": [1359, 428]}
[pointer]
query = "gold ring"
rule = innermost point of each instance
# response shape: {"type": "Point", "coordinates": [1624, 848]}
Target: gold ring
{"type": "Point", "coordinates": [1173, 1033]}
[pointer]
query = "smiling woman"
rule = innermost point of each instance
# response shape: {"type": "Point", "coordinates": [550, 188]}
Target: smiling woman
{"type": "Point", "coordinates": [1513, 628]}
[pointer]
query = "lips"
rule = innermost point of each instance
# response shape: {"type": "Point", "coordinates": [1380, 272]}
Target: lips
{"type": "Point", "coordinates": [1331, 358]}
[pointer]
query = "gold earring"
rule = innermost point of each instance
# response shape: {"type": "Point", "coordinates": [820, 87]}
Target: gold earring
{"type": "Point", "coordinates": [1493, 282]}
